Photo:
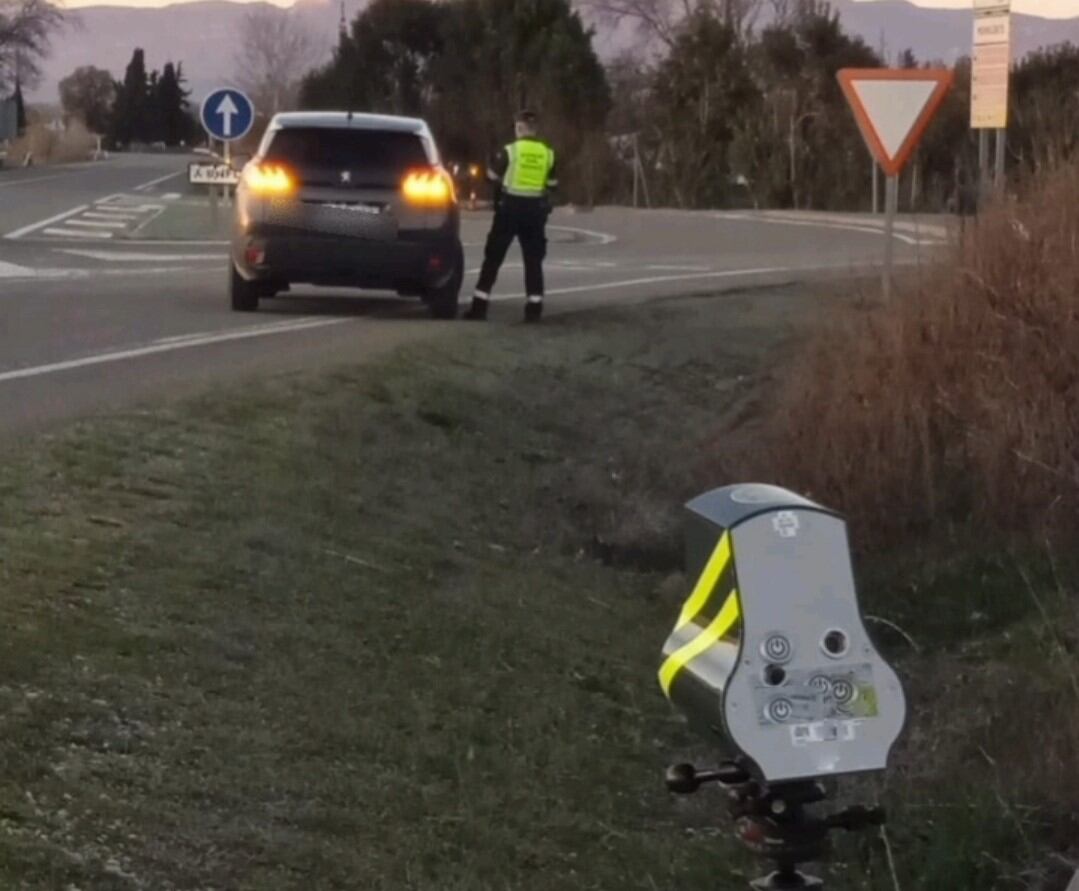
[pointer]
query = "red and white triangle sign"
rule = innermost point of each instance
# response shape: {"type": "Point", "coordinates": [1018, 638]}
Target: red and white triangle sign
{"type": "Point", "coordinates": [893, 108]}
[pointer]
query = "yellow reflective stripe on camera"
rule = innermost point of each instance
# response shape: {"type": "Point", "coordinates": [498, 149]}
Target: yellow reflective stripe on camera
{"type": "Point", "coordinates": [706, 584]}
{"type": "Point", "coordinates": [681, 657]}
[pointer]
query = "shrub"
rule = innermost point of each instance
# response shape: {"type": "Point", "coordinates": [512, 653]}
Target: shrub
{"type": "Point", "coordinates": [957, 403]}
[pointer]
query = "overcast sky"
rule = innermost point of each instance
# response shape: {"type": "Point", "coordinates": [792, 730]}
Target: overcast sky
{"type": "Point", "coordinates": [1054, 8]}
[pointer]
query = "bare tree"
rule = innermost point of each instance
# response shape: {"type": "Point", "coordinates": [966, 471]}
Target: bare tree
{"type": "Point", "coordinates": [277, 50]}
{"type": "Point", "coordinates": [25, 28]}
{"type": "Point", "coordinates": [654, 19]}
{"type": "Point", "coordinates": [660, 19]}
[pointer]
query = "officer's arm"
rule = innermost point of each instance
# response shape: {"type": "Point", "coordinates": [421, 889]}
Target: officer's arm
{"type": "Point", "coordinates": [552, 177]}
{"type": "Point", "coordinates": [496, 172]}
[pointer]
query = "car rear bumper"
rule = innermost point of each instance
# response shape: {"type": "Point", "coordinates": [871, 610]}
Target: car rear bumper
{"type": "Point", "coordinates": [408, 265]}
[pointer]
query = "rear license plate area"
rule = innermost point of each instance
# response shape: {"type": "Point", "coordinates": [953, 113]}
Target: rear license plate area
{"type": "Point", "coordinates": [355, 218]}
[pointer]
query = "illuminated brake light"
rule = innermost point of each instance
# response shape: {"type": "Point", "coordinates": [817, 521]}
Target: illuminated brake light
{"type": "Point", "coordinates": [268, 179]}
{"type": "Point", "coordinates": [428, 187]}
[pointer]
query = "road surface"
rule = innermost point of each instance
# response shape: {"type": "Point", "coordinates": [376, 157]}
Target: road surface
{"type": "Point", "coordinates": [93, 316]}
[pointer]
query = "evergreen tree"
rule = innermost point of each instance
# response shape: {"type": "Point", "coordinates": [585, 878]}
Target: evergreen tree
{"type": "Point", "coordinates": [129, 112]}
{"type": "Point", "coordinates": [154, 125]}
{"type": "Point", "coordinates": [20, 109]}
{"type": "Point", "coordinates": [467, 66]}
{"type": "Point", "coordinates": [172, 106]}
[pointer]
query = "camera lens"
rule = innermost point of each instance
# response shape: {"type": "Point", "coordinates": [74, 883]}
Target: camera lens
{"type": "Point", "coordinates": [835, 644]}
{"type": "Point", "coordinates": [774, 675]}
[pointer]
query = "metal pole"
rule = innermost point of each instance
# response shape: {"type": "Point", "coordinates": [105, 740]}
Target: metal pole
{"type": "Point", "coordinates": [891, 202]}
{"type": "Point", "coordinates": [1002, 136]}
{"type": "Point", "coordinates": [876, 186]}
{"type": "Point", "coordinates": [636, 169]}
{"type": "Point", "coordinates": [228, 161]}
{"type": "Point", "coordinates": [983, 166]}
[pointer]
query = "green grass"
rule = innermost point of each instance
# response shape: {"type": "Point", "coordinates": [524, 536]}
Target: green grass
{"type": "Point", "coordinates": [397, 627]}
{"type": "Point", "coordinates": [350, 630]}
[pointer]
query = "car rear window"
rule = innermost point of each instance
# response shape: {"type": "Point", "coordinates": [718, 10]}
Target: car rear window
{"type": "Point", "coordinates": [313, 147]}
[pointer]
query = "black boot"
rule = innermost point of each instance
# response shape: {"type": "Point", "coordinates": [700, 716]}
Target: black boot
{"type": "Point", "coordinates": [478, 311]}
{"type": "Point", "coordinates": [533, 310]}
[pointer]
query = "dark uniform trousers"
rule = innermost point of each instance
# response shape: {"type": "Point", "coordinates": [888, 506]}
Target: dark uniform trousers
{"type": "Point", "coordinates": [526, 220]}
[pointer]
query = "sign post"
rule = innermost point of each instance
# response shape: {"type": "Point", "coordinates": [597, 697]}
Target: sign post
{"type": "Point", "coordinates": [990, 69]}
{"type": "Point", "coordinates": [227, 115]}
{"type": "Point", "coordinates": [893, 108]}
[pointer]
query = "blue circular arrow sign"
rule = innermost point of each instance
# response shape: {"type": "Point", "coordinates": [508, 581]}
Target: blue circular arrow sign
{"type": "Point", "coordinates": [227, 114]}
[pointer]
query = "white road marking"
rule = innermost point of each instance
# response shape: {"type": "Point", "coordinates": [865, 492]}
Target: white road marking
{"type": "Point", "coordinates": [36, 179]}
{"type": "Point", "coordinates": [170, 345]}
{"type": "Point", "coordinates": [171, 196]}
{"type": "Point", "coordinates": [136, 208]}
{"type": "Point", "coordinates": [148, 220]}
{"type": "Point", "coordinates": [133, 257]}
{"type": "Point", "coordinates": [33, 227]}
{"type": "Point", "coordinates": [604, 238]}
{"type": "Point", "coordinates": [661, 279]}
{"type": "Point", "coordinates": [161, 179]}
{"type": "Point", "coordinates": [172, 242]}
{"type": "Point", "coordinates": [77, 233]}
{"type": "Point", "coordinates": [828, 224]}
{"type": "Point", "coordinates": [110, 215]}
{"type": "Point", "coordinates": [10, 270]}
{"type": "Point", "coordinates": [97, 224]}
{"type": "Point", "coordinates": [660, 267]}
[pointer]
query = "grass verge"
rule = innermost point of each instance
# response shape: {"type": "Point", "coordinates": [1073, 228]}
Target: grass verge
{"type": "Point", "coordinates": [382, 627]}
{"type": "Point", "coordinates": [397, 626]}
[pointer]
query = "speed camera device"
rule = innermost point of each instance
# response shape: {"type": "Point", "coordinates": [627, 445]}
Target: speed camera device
{"type": "Point", "coordinates": [770, 657]}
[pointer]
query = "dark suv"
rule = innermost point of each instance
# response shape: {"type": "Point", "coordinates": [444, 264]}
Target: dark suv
{"type": "Point", "coordinates": [344, 199]}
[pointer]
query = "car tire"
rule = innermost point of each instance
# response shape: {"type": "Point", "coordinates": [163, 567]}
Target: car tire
{"type": "Point", "coordinates": [244, 295]}
{"type": "Point", "coordinates": [443, 301]}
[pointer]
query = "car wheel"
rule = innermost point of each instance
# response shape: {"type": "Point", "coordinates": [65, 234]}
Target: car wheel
{"type": "Point", "coordinates": [243, 294]}
{"type": "Point", "coordinates": [443, 301]}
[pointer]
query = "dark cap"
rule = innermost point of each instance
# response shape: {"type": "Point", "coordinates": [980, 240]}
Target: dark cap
{"type": "Point", "coordinates": [525, 116]}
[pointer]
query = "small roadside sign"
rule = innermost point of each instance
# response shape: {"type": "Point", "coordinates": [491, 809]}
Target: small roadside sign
{"type": "Point", "coordinates": [893, 108]}
{"type": "Point", "coordinates": [212, 174]}
{"type": "Point", "coordinates": [227, 114]}
{"type": "Point", "coordinates": [990, 68]}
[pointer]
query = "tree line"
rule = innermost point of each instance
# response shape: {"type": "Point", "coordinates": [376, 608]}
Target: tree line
{"type": "Point", "coordinates": [146, 107]}
{"type": "Point", "coordinates": [720, 103]}
{"type": "Point", "coordinates": [467, 66]}
{"type": "Point", "coordinates": [723, 103]}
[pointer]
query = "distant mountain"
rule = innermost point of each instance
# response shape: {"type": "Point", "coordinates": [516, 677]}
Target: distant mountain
{"type": "Point", "coordinates": [942, 34]}
{"type": "Point", "coordinates": [204, 34]}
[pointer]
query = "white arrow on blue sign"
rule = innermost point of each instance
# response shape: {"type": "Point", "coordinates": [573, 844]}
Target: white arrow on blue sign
{"type": "Point", "coordinates": [227, 114]}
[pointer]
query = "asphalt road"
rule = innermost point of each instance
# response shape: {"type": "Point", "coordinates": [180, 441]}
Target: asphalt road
{"type": "Point", "coordinates": [93, 316]}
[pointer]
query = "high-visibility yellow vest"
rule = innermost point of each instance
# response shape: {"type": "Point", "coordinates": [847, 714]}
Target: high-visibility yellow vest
{"type": "Point", "coordinates": [530, 165]}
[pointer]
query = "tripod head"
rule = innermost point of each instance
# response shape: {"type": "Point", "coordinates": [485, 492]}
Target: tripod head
{"type": "Point", "coordinates": [775, 822]}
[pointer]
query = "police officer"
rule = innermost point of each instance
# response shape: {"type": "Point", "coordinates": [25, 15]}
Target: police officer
{"type": "Point", "coordinates": [522, 172]}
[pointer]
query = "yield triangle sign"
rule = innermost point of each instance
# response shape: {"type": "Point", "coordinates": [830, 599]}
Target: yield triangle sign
{"type": "Point", "coordinates": [893, 107]}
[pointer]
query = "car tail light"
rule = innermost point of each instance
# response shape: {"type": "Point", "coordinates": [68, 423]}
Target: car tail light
{"type": "Point", "coordinates": [269, 179]}
{"type": "Point", "coordinates": [428, 188]}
